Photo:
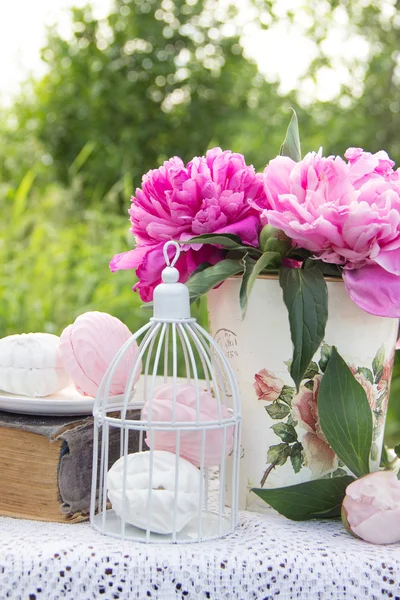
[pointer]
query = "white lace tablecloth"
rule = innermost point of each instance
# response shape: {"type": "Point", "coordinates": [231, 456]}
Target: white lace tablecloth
{"type": "Point", "coordinates": [268, 557]}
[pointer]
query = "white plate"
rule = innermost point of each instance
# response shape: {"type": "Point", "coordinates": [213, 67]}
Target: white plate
{"type": "Point", "coordinates": [66, 402]}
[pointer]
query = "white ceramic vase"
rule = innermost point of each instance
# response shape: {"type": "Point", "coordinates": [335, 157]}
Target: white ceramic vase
{"type": "Point", "coordinates": [259, 348]}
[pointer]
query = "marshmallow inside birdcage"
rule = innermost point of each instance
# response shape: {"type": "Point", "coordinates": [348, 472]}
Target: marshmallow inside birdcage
{"type": "Point", "coordinates": [167, 479]}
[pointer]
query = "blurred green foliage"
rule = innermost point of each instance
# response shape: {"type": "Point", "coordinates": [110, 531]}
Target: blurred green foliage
{"type": "Point", "coordinates": [55, 262]}
{"type": "Point", "coordinates": [151, 81]}
{"type": "Point", "coordinates": [159, 78]}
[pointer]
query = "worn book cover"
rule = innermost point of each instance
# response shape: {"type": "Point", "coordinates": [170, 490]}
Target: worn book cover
{"type": "Point", "coordinates": [46, 466]}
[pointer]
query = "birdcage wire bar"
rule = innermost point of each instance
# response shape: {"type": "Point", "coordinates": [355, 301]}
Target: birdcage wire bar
{"type": "Point", "coordinates": [160, 342]}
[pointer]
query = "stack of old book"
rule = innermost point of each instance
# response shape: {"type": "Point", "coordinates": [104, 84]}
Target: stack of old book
{"type": "Point", "coordinates": [46, 466]}
{"type": "Point", "coordinates": [47, 389]}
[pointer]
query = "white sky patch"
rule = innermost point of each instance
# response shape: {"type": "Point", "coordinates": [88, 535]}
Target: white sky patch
{"type": "Point", "coordinates": [283, 52]}
{"type": "Point", "coordinates": [23, 26]}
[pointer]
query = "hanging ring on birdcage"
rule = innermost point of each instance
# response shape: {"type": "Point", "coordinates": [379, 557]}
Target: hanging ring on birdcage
{"type": "Point", "coordinates": [167, 245]}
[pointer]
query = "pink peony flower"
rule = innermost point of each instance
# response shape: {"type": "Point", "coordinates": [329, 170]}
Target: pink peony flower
{"type": "Point", "coordinates": [346, 213]}
{"type": "Point", "coordinates": [267, 386]}
{"type": "Point", "coordinates": [319, 456]}
{"type": "Point", "coordinates": [371, 508]}
{"type": "Point", "coordinates": [190, 446]}
{"type": "Point", "coordinates": [210, 194]}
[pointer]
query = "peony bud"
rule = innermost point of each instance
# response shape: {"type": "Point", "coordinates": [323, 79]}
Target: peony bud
{"type": "Point", "coordinates": [274, 240]}
{"type": "Point", "coordinates": [371, 508]}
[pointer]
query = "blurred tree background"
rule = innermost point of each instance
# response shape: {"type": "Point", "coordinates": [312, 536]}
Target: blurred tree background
{"type": "Point", "coordinates": [159, 78]}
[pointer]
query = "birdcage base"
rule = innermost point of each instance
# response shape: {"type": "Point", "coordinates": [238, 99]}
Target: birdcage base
{"type": "Point", "coordinates": [213, 527]}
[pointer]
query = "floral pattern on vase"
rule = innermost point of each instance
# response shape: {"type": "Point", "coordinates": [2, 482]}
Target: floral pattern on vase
{"type": "Point", "coordinates": [302, 441]}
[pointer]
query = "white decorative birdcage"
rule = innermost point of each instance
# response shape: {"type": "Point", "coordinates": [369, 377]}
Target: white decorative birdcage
{"type": "Point", "coordinates": [175, 477]}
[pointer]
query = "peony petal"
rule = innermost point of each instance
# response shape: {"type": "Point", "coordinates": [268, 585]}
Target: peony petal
{"type": "Point", "coordinates": [129, 260]}
{"type": "Point", "coordinates": [380, 528]}
{"type": "Point", "coordinates": [277, 178]}
{"type": "Point", "coordinates": [356, 511]}
{"type": "Point", "coordinates": [247, 229]}
{"type": "Point", "coordinates": [374, 290]}
{"type": "Point", "coordinates": [382, 488]}
{"type": "Point", "coordinates": [149, 271]}
{"type": "Point", "coordinates": [389, 260]}
{"type": "Point", "coordinates": [372, 507]}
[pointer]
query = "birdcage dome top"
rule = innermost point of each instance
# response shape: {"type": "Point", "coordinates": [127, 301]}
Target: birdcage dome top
{"type": "Point", "coordinates": [171, 348]}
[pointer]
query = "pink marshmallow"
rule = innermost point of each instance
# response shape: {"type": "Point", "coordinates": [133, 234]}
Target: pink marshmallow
{"type": "Point", "coordinates": [87, 348]}
{"type": "Point", "coordinates": [191, 442]}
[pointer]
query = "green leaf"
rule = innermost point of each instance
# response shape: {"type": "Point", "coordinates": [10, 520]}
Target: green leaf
{"type": "Point", "coordinates": [397, 450]}
{"type": "Point", "coordinates": [272, 259]}
{"type": "Point", "coordinates": [377, 364]}
{"type": "Point", "coordinates": [226, 240]}
{"type": "Point", "coordinates": [300, 254]}
{"type": "Point", "coordinates": [306, 297]}
{"type": "Point", "coordinates": [317, 499]}
{"type": "Point", "coordinates": [277, 410]}
{"type": "Point", "coordinates": [21, 196]}
{"type": "Point", "coordinates": [385, 459]}
{"type": "Point", "coordinates": [367, 373]}
{"type": "Point", "coordinates": [82, 157]}
{"type": "Point", "coordinates": [339, 473]}
{"type": "Point", "coordinates": [291, 145]}
{"type": "Point", "coordinates": [202, 267]}
{"type": "Point", "coordinates": [287, 394]}
{"type": "Point", "coordinates": [286, 432]}
{"type": "Point", "coordinates": [288, 363]}
{"type": "Point", "coordinates": [312, 370]}
{"type": "Point", "coordinates": [345, 415]}
{"type": "Point", "coordinates": [204, 281]}
{"type": "Point", "coordinates": [296, 456]}
{"type": "Point", "coordinates": [327, 269]}
{"type": "Point", "coordinates": [278, 454]}
{"type": "Point", "coordinates": [248, 267]}
{"type": "Point", "coordinates": [326, 352]}
{"type": "Point", "coordinates": [297, 462]}
{"type": "Point", "coordinates": [309, 384]}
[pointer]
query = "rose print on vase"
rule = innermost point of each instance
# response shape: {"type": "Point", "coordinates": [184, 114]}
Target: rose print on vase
{"type": "Point", "coordinates": [267, 386]}
{"type": "Point", "coordinates": [318, 455]}
{"type": "Point", "coordinates": [302, 441]}
{"type": "Point", "coordinates": [274, 439]}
